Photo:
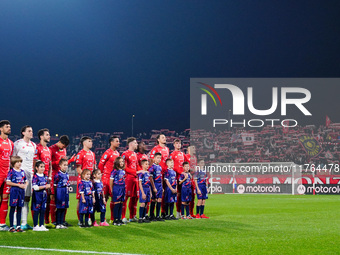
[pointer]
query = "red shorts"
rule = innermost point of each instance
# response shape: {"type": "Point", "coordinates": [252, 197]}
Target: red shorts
{"type": "Point", "coordinates": [131, 187]}
{"type": "Point", "coordinates": [4, 188]}
{"type": "Point", "coordinates": [78, 181]}
{"type": "Point", "coordinates": [106, 186]}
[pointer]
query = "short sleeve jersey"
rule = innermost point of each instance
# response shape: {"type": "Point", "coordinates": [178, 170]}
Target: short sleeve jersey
{"type": "Point", "coordinates": [130, 158]}
{"type": "Point", "coordinates": [44, 154]}
{"type": "Point", "coordinates": [187, 182]}
{"type": "Point", "coordinates": [6, 151]}
{"type": "Point", "coordinates": [61, 180]}
{"type": "Point", "coordinates": [140, 157]}
{"type": "Point", "coordinates": [86, 187]}
{"type": "Point", "coordinates": [98, 187]}
{"type": "Point", "coordinates": [156, 173]}
{"type": "Point", "coordinates": [56, 155]}
{"type": "Point", "coordinates": [107, 161]}
{"type": "Point", "coordinates": [178, 157]}
{"type": "Point", "coordinates": [165, 155]}
{"type": "Point", "coordinates": [118, 177]}
{"type": "Point", "coordinates": [171, 177]}
{"type": "Point", "coordinates": [39, 180]}
{"type": "Point", "coordinates": [145, 178]}
{"type": "Point", "coordinates": [16, 176]}
{"type": "Point", "coordinates": [86, 159]}
{"type": "Point", "coordinates": [26, 151]}
{"type": "Point", "coordinates": [201, 177]}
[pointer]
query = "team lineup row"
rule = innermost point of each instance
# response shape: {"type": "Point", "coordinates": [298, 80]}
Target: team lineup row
{"type": "Point", "coordinates": [153, 179]}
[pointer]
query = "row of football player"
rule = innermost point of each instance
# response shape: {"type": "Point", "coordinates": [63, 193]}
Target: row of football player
{"type": "Point", "coordinates": [91, 192]}
{"type": "Point", "coordinates": [133, 167]}
{"type": "Point", "coordinates": [85, 159]}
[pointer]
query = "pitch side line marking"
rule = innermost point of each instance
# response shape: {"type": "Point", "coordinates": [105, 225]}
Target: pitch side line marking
{"type": "Point", "coordinates": [69, 251]}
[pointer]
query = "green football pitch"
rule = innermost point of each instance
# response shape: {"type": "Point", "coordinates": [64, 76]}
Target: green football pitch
{"type": "Point", "coordinates": [238, 224]}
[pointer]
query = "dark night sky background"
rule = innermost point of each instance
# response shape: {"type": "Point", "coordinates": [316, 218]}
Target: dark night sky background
{"type": "Point", "coordinates": [84, 66]}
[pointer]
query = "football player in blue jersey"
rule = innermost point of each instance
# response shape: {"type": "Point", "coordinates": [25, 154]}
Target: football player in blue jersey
{"type": "Point", "coordinates": [87, 198]}
{"type": "Point", "coordinates": [201, 182]}
{"type": "Point", "coordinates": [117, 186]}
{"type": "Point", "coordinates": [157, 188]}
{"type": "Point", "coordinates": [61, 184]}
{"type": "Point", "coordinates": [186, 196]}
{"type": "Point", "coordinates": [170, 191]}
{"type": "Point", "coordinates": [16, 179]}
{"type": "Point", "coordinates": [39, 198]}
{"type": "Point", "coordinates": [100, 205]}
{"type": "Point", "coordinates": [144, 191]}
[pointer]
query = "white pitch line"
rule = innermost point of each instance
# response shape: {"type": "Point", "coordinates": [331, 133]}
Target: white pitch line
{"type": "Point", "coordinates": [69, 251]}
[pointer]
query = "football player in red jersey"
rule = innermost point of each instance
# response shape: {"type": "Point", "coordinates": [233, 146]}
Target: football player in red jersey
{"type": "Point", "coordinates": [43, 153]}
{"type": "Point", "coordinates": [25, 148]}
{"type": "Point", "coordinates": [85, 159]}
{"type": "Point", "coordinates": [178, 157]}
{"type": "Point", "coordinates": [6, 150]}
{"type": "Point", "coordinates": [191, 158]}
{"type": "Point", "coordinates": [141, 148]}
{"type": "Point", "coordinates": [106, 164]}
{"type": "Point", "coordinates": [131, 182]}
{"type": "Point", "coordinates": [162, 149]}
{"type": "Point", "coordinates": [58, 151]}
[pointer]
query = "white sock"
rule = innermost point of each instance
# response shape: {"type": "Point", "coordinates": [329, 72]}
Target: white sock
{"type": "Point", "coordinates": [15, 218]}
{"type": "Point", "coordinates": [24, 213]}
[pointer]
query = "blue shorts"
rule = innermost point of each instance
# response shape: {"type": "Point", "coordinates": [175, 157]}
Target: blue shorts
{"type": "Point", "coordinates": [61, 197]}
{"type": "Point", "coordinates": [86, 207]}
{"type": "Point", "coordinates": [118, 193]}
{"type": "Point", "coordinates": [170, 197]}
{"type": "Point", "coordinates": [16, 197]}
{"type": "Point", "coordinates": [204, 192]}
{"type": "Point", "coordinates": [99, 206]}
{"type": "Point", "coordinates": [147, 194]}
{"type": "Point", "coordinates": [159, 193]}
{"type": "Point", "coordinates": [39, 200]}
{"type": "Point", "coordinates": [186, 194]}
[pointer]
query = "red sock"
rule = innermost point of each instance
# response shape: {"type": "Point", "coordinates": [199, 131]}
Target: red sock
{"type": "Point", "coordinates": [78, 215]}
{"type": "Point", "coordinates": [32, 212]}
{"type": "Point", "coordinates": [162, 205]}
{"type": "Point", "coordinates": [112, 206]}
{"type": "Point", "coordinates": [53, 211]}
{"type": "Point", "coordinates": [135, 202]}
{"type": "Point", "coordinates": [131, 207]}
{"type": "Point", "coordinates": [3, 210]}
{"type": "Point", "coordinates": [179, 202]}
{"type": "Point", "coordinates": [124, 208]}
